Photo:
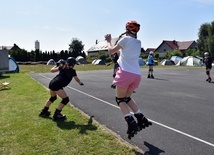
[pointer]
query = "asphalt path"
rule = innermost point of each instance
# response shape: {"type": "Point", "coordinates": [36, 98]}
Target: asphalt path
{"type": "Point", "coordinates": [179, 102]}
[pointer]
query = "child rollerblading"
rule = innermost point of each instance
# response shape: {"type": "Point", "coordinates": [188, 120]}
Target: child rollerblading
{"type": "Point", "coordinates": [150, 64]}
{"type": "Point", "coordinates": [208, 63]}
{"type": "Point", "coordinates": [128, 75]}
{"type": "Point", "coordinates": [65, 76]}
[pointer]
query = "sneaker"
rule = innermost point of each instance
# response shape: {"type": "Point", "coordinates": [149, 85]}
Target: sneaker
{"type": "Point", "coordinates": [209, 80]}
{"type": "Point", "coordinates": [113, 86]}
{"type": "Point", "coordinates": [148, 76]}
{"type": "Point", "coordinates": [142, 121]}
{"type": "Point", "coordinates": [152, 77]}
{"type": "Point", "coordinates": [45, 113]}
{"type": "Point", "coordinates": [59, 116]}
{"type": "Point", "coordinates": [132, 127]}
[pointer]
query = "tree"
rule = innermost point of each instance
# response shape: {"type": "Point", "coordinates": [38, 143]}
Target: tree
{"type": "Point", "coordinates": [193, 52]}
{"type": "Point", "coordinates": [211, 38]}
{"type": "Point", "coordinates": [205, 41]}
{"type": "Point", "coordinates": [169, 54]}
{"type": "Point", "coordinates": [75, 47]}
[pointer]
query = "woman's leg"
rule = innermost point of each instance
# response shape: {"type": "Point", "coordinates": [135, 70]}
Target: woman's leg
{"type": "Point", "coordinates": [121, 101]}
{"type": "Point", "coordinates": [151, 69]}
{"type": "Point", "coordinates": [50, 101]}
{"type": "Point", "coordinates": [62, 94]}
{"type": "Point", "coordinates": [58, 115]}
{"type": "Point", "coordinates": [141, 119]}
{"type": "Point", "coordinates": [45, 111]}
{"type": "Point", "coordinates": [121, 94]}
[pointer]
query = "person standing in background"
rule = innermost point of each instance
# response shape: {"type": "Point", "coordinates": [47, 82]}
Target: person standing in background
{"type": "Point", "coordinates": [150, 64]}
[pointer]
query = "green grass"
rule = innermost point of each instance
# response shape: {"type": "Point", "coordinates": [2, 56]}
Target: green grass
{"type": "Point", "coordinates": [46, 68]}
{"type": "Point", "coordinates": [23, 132]}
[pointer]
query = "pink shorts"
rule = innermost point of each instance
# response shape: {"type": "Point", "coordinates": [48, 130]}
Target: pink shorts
{"type": "Point", "coordinates": [125, 79]}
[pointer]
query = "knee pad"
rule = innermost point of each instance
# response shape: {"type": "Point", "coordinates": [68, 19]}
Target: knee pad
{"type": "Point", "coordinates": [65, 100]}
{"type": "Point", "coordinates": [207, 72]}
{"type": "Point", "coordinates": [128, 99]}
{"type": "Point", "coordinates": [151, 70]}
{"type": "Point", "coordinates": [52, 98]}
{"type": "Point", "coordinates": [119, 100]}
{"type": "Point", "coordinates": [114, 75]}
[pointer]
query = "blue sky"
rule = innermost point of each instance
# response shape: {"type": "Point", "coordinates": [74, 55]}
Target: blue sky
{"type": "Point", "coordinates": [55, 22]}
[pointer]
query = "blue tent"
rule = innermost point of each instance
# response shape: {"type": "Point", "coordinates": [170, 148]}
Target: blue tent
{"type": "Point", "coordinates": [98, 62]}
{"type": "Point", "coordinates": [13, 66]}
{"type": "Point", "coordinates": [141, 62]}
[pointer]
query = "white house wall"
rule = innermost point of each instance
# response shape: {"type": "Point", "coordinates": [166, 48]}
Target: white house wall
{"type": "Point", "coordinates": [163, 49]}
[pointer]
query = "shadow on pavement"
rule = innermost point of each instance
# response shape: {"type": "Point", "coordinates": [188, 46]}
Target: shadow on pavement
{"type": "Point", "coordinates": [161, 79]}
{"type": "Point", "coordinates": [152, 150]}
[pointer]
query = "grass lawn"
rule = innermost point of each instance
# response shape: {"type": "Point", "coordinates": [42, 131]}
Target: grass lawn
{"type": "Point", "coordinates": [23, 132]}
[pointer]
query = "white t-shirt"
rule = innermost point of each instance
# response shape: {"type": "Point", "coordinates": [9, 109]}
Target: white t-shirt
{"type": "Point", "coordinates": [129, 55]}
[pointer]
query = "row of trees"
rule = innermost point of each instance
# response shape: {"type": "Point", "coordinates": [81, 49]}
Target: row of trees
{"type": "Point", "coordinates": [75, 49]}
{"type": "Point", "coordinates": [205, 43]}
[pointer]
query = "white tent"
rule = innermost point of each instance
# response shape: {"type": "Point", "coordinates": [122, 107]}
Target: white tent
{"type": "Point", "coordinates": [51, 62]}
{"type": "Point", "coordinates": [93, 62]}
{"type": "Point", "coordinates": [166, 62]}
{"type": "Point", "coordinates": [81, 60]}
{"type": "Point", "coordinates": [190, 61]}
{"type": "Point", "coordinates": [141, 62]}
{"type": "Point", "coordinates": [98, 62]}
{"type": "Point", "coordinates": [176, 59]}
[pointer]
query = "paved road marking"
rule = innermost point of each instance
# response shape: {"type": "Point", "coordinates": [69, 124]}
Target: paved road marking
{"type": "Point", "coordinates": [170, 128]}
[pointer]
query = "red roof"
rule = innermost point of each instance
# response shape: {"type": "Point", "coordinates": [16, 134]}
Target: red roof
{"type": "Point", "coordinates": [184, 45]}
{"type": "Point", "coordinates": [173, 44]}
{"type": "Point", "coordinates": [177, 45]}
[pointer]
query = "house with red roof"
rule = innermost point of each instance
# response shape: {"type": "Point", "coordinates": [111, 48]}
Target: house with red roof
{"type": "Point", "coordinates": [167, 46]}
{"type": "Point", "coordinates": [101, 47]}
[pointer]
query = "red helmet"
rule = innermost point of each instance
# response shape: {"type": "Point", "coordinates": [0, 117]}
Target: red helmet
{"type": "Point", "coordinates": [132, 26]}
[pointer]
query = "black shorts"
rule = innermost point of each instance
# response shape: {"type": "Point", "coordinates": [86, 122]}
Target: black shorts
{"type": "Point", "coordinates": [150, 65]}
{"type": "Point", "coordinates": [208, 67]}
{"type": "Point", "coordinates": [55, 85]}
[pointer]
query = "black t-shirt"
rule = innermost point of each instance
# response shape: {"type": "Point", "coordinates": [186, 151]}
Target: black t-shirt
{"type": "Point", "coordinates": [208, 62]}
{"type": "Point", "coordinates": [115, 57]}
{"type": "Point", "coordinates": [64, 77]}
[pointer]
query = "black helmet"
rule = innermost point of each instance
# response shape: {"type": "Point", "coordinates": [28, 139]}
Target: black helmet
{"type": "Point", "coordinates": [61, 62]}
{"type": "Point", "coordinates": [71, 61]}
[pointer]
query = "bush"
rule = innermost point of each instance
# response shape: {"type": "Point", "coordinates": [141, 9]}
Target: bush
{"type": "Point", "coordinates": [169, 54]}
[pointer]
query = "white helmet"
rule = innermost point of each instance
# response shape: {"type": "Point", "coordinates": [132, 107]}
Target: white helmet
{"type": "Point", "coordinates": [151, 52]}
{"type": "Point", "coordinates": [206, 53]}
